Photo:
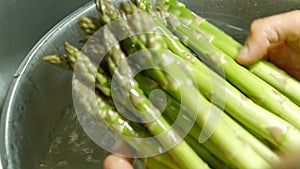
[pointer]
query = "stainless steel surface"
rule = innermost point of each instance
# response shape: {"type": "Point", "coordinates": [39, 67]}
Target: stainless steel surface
{"type": "Point", "coordinates": [36, 99]}
{"type": "Point", "coordinates": [40, 92]}
{"type": "Point", "coordinates": [23, 23]}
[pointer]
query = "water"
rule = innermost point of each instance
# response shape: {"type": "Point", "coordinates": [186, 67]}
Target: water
{"type": "Point", "coordinates": [70, 147]}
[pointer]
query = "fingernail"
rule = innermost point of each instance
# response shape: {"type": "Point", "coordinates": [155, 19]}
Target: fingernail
{"type": "Point", "coordinates": [243, 54]}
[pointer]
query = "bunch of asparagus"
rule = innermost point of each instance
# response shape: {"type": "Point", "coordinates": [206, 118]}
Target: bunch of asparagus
{"type": "Point", "coordinates": [243, 116]}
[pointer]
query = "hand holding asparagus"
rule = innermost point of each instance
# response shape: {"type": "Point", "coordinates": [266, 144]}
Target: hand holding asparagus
{"type": "Point", "coordinates": [254, 127]}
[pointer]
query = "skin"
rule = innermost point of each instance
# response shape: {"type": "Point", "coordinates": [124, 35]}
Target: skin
{"type": "Point", "coordinates": [275, 38]}
{"type": "Point", "coordinates": [117, 160]}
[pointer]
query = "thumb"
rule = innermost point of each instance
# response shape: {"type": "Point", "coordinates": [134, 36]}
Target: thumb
{"type": "Point", "coordinates": [257, 43]}
{"type": "Point", "coordinates": [266, 31]}
{"type": "Point", "coordinates": [117, 162]}
{"type": "Point", "coordinates": [121, 158]}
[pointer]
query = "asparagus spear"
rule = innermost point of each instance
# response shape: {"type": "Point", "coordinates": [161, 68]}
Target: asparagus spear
{"type": "Point", "coordinates": [152, 163]}
{"type": "Point", "coordinates": [202, 152]}
{"type": "Point", "coordinates": [87, 69]}
{"type": "Point", "coordinates": [171, 112]}
{"type": "Point", "coordinates": [176, 47]}
{"type": "Point", "coordinates": [145, 5]}
{"type": "Point", "coordinates": [239, 159]}
{"type": "Point", "coordinates": [158, 126]}
{"type": "Point", "coordinates": [236, 98]}
{"type": "Point", "coordinates": [141, 103]}
{"type": "Point", "coordinates": [173, 107]}
{"type": "Point", "coordinates": [101, 110]}
{"type": "Point", "coordinates": [113, 119]}
{"type": "Point", "coordinates": [89, 24]}
{"type": "Point", "coordinates": [271, 99]}
{"type": "Point", "coordinates": [223, 136]}
{"type": "Point", "coordinates": [77, 51]}
{"type": "Point", "coordinates": [271, 74]}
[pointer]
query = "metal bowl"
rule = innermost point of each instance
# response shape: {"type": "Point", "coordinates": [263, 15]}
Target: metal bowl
{"type": "Point", "coordinates": [41, 92]}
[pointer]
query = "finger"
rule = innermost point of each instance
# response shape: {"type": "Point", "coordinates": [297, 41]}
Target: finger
{"type": "Point", "coordinates": [290, 161]}
{"type": "Point", "coordinates": [286, 58]}
{"type": "Point", "coordinates": [294, 73]}
{"type": "Point", "coordinates": [121, 157]}
{"type": "Point", "coordinates": [269, 30]}
{"type": "Point", "coordinates": [117, 162]}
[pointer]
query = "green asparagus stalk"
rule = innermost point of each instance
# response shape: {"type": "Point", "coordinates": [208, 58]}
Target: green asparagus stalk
{"type": "Point", "coordinates": [107, 113]}
{"type": "Point", "coordinates": [152, 163]}
{"type": "Point", "coordinates": [176, 47]}
{"type": "Point", "coordinates": [160, 125]}
{"type": "Point", "coordinates": [73, 54]}
{"type": "Point", "coordinates": [271, 99]}
{"type": "Point", "coordinates": [202, 152]}
{"type": "Point", "coordinates": [89, 24]}
{"type": "Point", "coordinates": [171, 112]}
{"type": "Point", "coordinates": [224, 137]}
{"type": "Point", "coordinates": [114, 61]}
{"type": "Point", "coordinates": [87, 69]}
{"type": "Point", "coordinates": [249, 119]}
{"type": "Point", "coordinates": [182, 152]}
{"type": "Point", "coordinates": [101, 110]}
{"type": "Point", "coordinates": [173, 107]}
{"type": "Point", "coordinates": [205, 113]}
{"type": "Point", "coordinates": [271, 74]}
{"type": "Point", "coordinates": [145, 5]}
{"type": "Point", "coordinates": [248, 113]}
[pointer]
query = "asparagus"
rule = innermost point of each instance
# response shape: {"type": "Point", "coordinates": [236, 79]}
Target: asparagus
{"type": "Point", "coordinates": [220, 141]}
{"type": "Point", "coordinates": [173, 107]}
{"type": "Point", "coordinates": [271, 74]}
{"type": "Point", "coordinates": [152, 163]}
{"type": "Point", "coordinates": [202, 152]}
{"type": "Point", "coordinates": [115, 60]}
{"type": "Point", "coordinates": [160, 125]}
{"type": "Point", "coordinates": [145, 5]}
{"type": "Point", "coordinates": [89, 24]}
{"type": "Point", "coordinates": [248, 113]}
{"type": "Point", "coordinates": [182, 152]}
{"type": "Point", "coordinates": [249, 119]}
{"type": "Point", "coordinates": [271, 99]}
{"type": "Point", "coordinates": [171, 112]}
{"type": "Point", "coordinates": [87, 69]}
{"type": "Point", "coordinates": [101, 110]}
{"type": "Point", "coordinates": [223, 136]}
{"type": "Point", "coordinates": [113, 119]}
{"type": "Point", "coordinates": [176, 47]}
{"type": "Point", "coordinates": [69, 62]}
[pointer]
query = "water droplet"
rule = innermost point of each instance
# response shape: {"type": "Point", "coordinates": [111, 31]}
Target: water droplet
{"type": "Point", "coordinates": [43, 165]}
{"type": "Point", "coordinates": [88, 150]}
{"type": "Point", "coordinates": [62, 164]}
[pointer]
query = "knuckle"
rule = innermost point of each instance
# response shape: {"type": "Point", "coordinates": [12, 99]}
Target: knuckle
{"type": "Point", "coordinates": [256, 25]}
{"type": "Point", "coordinates": [295, 12]}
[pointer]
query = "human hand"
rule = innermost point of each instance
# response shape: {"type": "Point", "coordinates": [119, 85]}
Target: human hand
{"type": "Point", "coordinates": [118, 160]}
{"type": "Point", "coordinates": [277, 39]}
